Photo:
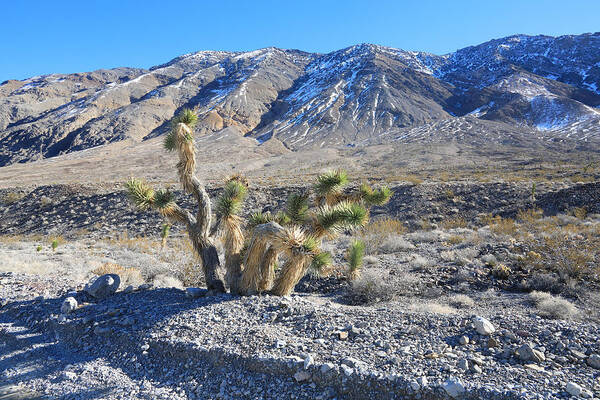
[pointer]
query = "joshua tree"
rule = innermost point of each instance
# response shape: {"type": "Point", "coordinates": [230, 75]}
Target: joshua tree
{"type": "Point", "coordinates": [253, 250]}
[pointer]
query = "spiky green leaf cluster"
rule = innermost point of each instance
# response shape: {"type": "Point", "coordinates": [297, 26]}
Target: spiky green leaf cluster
{"type": "Point", "coordinates": [140, 193]}
{"type": "Point", "coordinates": [170, 141]}
{"type": "Point", "coordinates": [331, 182]}
{"type": "Point", "coordinates": [343, 215]}
{"type": "Point", "coordinates": [164, 233]}
{"type": "Point", "coordinates": [186, 116]}
{"type": "Point", "coordinates": [230, 201]}
{"type": "Point", "coordinates": [375, 197]}
{"type": "Point", "coordinates": [310, 244]}
{"type": "Point", "coordinates": [259, 218]}
{"type": "Point", "coordinates": [163, 199]}
{"type": "Point", "coordinates": [356, 253]}
{"type": "Point", "coordinates": [321, 260]}
{"type": "Point", "coordinates": [296, 208]}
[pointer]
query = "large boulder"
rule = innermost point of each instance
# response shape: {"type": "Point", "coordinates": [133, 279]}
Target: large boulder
{"type": "Point", "coordinates": [104, 286]}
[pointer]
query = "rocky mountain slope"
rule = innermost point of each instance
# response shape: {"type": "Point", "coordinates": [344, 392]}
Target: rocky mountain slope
{"type": "Point", "coordinates": [519, 89]}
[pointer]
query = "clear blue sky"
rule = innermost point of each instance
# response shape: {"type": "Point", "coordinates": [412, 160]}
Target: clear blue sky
{"type": "Point", "coordinates": [41, 37]}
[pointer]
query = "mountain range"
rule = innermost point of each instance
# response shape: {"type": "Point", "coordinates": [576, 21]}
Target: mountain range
{"type": "Point", "coordinates": [515, 90]}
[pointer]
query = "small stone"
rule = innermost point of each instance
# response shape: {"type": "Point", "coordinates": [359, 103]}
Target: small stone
{"type": "Point", "coordinates": [528, 353]}
{"type": "Point", "coordinates": [414, 385]}
{"type": "Point", "coordinates": [347, 370]}
{"type": "Point", "coordinates": [476, 369]}
{"type": "Point", "coordinates": [301, 376]}
{"type": "Point", "coordinates": [194, 293]}
{"type": "Point", "coordinates": [574, 389]}
{"type": "Point", "coordinates": [100, 330]}
{"type": "Point", "coordinates": [534, 367]}
{"type": "Point", "coordinates": [463, 364]}
{"type": "Point", "coordinates": [492, 342]}
{"type": "Point", "coordinates": [483, 326]}
{"type": "Point", "coordinates": [322, 342]}
{"type": "Point", "coordinates": [308, 361]}
{"type": "Point", "coordinates": [70, 375]}
{"type": "Point", "coordinates": [280, 344]}
{"type": "Point", "coordinates": [325, 368]}
{"type": "Point", "coordinates": [69, 305]}
{"type": "Point", "coordinates": [343, 335]}
{"type": "Point", "coordinates": [454, 387]}
{"type": "Point", "coordinates": [594, 361]}
{"type": "Point", "coordinates": [145, 347]}
{"type": "Point", "coordinates": [106, 285]}
{"type": "Point", "coordinates": [423, 381]}
{"type": "Point", "coordinates": [463, 340]}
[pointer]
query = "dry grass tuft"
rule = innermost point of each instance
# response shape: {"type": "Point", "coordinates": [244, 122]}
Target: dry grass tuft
{"type": "Point", "coordinates": [554, 307]}
{"type": "Point", "coordinates": [454, 222]}
{"type": "Point", "coordinates": [376, 232]}
{"type": "Point", "coordinates": [461, 301]}
{"type": "Point", "coordinates": [129, 276]}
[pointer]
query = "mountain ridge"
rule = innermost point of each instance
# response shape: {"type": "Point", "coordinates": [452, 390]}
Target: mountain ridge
{"type": "Point", "coordinates": [534, 85]}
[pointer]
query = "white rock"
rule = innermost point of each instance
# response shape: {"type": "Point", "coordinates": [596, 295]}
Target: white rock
{"type": "Point", "coordinates": [104, 286]}
{"type": "Point", "coordinates": [308, 361]}
{"type": "Point", "coordinates": [301, 376]}
{"type": "Point", "coordinates": [325, 368]}
{"type": "Point", "coordinates": [70, 375]}
{"type": "Point", "coordinates": [68, 305]}
{"type": "Point", "coordinates": [347, 370]}
{"type": "Point", "coordinates": [454, 387]}
{"type": "Point", "coordinates": [483, 326]}
{"type": "Point", "coordinates": [414, 385]}
{"type": "Point", "coordinates": [594, 361]}
{"type": "Point", "coordinates": [423, 381]}
{"type": "Point", "coordinates": [463, 340]}
{"type": "Point", "coordinates": [574, 389]}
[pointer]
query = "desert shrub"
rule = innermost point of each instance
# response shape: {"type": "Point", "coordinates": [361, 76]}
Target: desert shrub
{"type": "Point", "coordinates": [419, 262]}
{"type": "Point", "coordinates": [128, 276]}
{"type": "Point", "coordinates": [530, 216]}
{"type": "Point", "coordinates": [375, 286]}
{"type": "Point", "coordinates": [431, 307]}
{"type": "Point", "coordinates": [12, 197]}
{"type": "Point", "coordinates": [553, 306]}
{"type": "Point", "coordinates": [166, 281]}
{"type": "Point", "coordinates": [38, 248]}
{"type": "Point", "coordinates": [501, 271]}
{"type": "Point", "coordinates": [376, 232]}
{"type": "Point", "coordinates": [503, 226]}
{"type": "Point", "coordinates": [455, 239]}
{"type": "Point", "coordinates": [579, 212]}
{"type": "Point", "coordinates": [544, 282]}
{"type": "Point", "coordinates": [556, 251]}
{"type": "Point", "coordinates": [454, 222]}
{"type": "Point", "coordinates": [394, 244]}
{"type": "Point", "coordinates": [461, 301]}
{"type": "Point", "coordinates": [489, 259]}
{"type": "Point", "coordinates": [426, 236]}
{"type": "Point", "coordinates": [45, 201]}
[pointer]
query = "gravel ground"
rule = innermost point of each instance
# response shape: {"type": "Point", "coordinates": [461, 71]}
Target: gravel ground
{"type": "Point", "coordinates": [159, 343]}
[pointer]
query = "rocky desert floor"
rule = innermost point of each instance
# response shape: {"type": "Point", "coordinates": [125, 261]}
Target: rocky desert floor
{"type": "Point", "coordinates": [469, 289]}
